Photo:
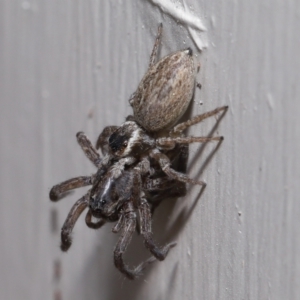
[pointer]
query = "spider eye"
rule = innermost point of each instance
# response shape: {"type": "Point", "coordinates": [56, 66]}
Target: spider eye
{"type": "Point", "coordinates": [117, 142]}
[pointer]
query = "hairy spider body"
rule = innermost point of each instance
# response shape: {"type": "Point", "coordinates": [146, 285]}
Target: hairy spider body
{"type": "Point", "coordinates": [142, 160]}
{"type": "Point", "coordinates": [127, 198]}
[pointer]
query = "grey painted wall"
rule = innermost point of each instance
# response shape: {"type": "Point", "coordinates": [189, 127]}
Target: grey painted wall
{"type": "Point", "coordinates": [68, 66]}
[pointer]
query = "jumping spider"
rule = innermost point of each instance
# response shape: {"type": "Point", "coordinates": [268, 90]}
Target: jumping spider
{"type": "Point", "coordinates": [140, 163]}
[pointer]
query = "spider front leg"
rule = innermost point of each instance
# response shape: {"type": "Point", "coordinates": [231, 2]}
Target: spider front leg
{"type": "Point", "coordinates": [165, 165]}
{"type": "Point", "coordinates": [72, 217]}
{"type": "Point", "coordinates": [60, 190]}
{"type": "Point", "coordinates": [88, 149]}
{"type": "Point", "coordinates": [146, 231]}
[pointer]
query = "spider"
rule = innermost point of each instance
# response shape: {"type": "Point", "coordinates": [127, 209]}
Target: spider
{"type": "Point", "coordinates": [116, 196]}
{"type": "Point", "coordinates": [141, 159]}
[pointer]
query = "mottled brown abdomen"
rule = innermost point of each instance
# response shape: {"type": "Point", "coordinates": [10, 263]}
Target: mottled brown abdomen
{"type": "Point", "coordinates": [165, 92]}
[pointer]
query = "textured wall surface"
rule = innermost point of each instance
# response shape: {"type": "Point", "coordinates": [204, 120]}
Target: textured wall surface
{"type": "Point", "coordinates": [68, 66]}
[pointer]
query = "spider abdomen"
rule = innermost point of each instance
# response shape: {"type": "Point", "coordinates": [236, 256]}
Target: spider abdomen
{"type": "Point", "coordinates": [165, 91]}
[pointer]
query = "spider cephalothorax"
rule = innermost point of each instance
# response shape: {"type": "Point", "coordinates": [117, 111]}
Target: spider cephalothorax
{"type": "Point", "coordinates": [130, 138]}
{"type": "Point", "coordinates": [142, 160]}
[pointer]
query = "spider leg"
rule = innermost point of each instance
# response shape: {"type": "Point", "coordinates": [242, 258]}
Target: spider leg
{"type": "Point", "coordinates": [128, 227]}
{"type": "Point", "coordinates": [146, 231]}
{"type": "Point", "coordinates": [72, 217]}
{"type": "Point", "coordinates": [60, 190]}
{"type": "Point", "coordinates": [90, 223]}
{"type": "Point", "coordinates": [165, 165]}
{"type": "Point", "coordinates": [153, 56]}
{"type": "Point", "coordinates": [158, 184]}
{"type": "Point", "coordinates": [197, 119]}
{"type": "Point", "coordinates": [88, 149]}
{"type": "Point", "coordinates": [169, 143]}
{"type": "Point", "coordinates": [164, 187]}
{"type": "Point", "coordinates": [144, 167]}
